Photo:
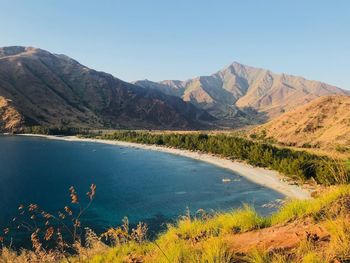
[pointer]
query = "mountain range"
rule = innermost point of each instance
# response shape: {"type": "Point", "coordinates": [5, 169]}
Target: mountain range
{"type": "Point", "coordinates": [39, 88]}
{"type": "Point", "coordinates": [240, 94]}
{"type": "Point", "coordinates": [45, 89]}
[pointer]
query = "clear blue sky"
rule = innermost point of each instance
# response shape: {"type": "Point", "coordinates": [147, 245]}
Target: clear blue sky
{"type": "Point", "coordinates": [179, 39]}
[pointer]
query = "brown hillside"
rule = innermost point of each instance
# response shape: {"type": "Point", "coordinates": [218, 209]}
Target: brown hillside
{"type": "Point", "coordinates": [241, 94]}
{"type": "Point", "coordinates": [54, 90]}
{"type": "Point", "coordinates": [10, 119]}
{"type": "Point", "coordinates": [322, 123]}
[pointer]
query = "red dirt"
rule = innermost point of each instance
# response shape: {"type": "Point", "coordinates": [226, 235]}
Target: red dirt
{"type": "Point", "coordinates": [278, 238]}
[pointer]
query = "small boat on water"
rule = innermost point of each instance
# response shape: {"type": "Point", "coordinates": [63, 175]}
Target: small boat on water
{"type": "Point", "coordinates": [226, 180]}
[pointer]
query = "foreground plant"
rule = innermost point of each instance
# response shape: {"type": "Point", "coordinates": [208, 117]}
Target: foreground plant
{"type": "Point", "coordinates": [62, 237]}
{"type": "Point", "coordinates": [218, 238]}
{"type": "Point", "coordinates": [319, 228]}
{"type": "Point", "coordinates": [53, 236]}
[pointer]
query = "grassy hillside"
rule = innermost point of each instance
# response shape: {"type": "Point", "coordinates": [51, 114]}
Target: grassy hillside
{"type": "Point", "coordinates": [325, 236]}
{"type": "Point", "coordinates": [302, 231]}
{"type": "Point", "coordinates": [10, 119]}
{"type": "Point", "coordinates": [322, 124]}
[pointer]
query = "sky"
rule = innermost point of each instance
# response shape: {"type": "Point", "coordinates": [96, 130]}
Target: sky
{"type": "Point", "coordinates": [181, 39]}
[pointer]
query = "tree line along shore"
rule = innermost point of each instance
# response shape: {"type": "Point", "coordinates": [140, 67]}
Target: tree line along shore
{"type": "Point", "coordinates": [298, 165]}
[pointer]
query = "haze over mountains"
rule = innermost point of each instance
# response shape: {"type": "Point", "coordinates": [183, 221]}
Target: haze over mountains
{"type": "Point", "coordinates": [38, 88]}
{"type": "Point", "coordinates": [241, 94]}
{"type": "Point", "coordinates": [41, 88]}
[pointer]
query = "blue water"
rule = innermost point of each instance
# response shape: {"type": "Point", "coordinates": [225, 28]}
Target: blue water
{"type": "Point", "coordinates": [143, 185]}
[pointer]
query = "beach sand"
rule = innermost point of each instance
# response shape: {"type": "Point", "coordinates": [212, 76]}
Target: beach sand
{"type": "Point", "coordinates": [267, 178]}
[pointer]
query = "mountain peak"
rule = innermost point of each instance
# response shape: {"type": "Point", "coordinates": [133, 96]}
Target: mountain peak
{"type": "Point", "coordinates": [11, 51]}
{"type": "Point", "coordinates": [20, 50]}
{"type": "Point", "coordinates": [239, 67]}
{"type": "Point", "coordinates": [240, 88]}
{"type": "Point", "coordinates": [237, 64]}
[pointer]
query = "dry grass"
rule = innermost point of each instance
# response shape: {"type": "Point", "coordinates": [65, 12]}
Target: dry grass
{"type": "Point", "coordinates": [321, 126]}
{"type": "Point", "coordinates": [202, 238]}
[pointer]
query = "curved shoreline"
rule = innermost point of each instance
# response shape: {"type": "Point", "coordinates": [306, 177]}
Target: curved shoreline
{"type": "Point", "coordinates": [267, 178]}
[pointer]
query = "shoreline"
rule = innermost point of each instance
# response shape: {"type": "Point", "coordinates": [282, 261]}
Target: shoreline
{"type": "Point", "coordinates": [261, 176]}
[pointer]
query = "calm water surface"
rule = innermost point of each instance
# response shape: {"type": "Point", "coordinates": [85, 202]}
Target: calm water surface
{"type": "Point", "coordinates": [146, 186]}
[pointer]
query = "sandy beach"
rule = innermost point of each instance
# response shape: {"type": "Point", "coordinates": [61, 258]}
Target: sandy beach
{"type": "Point", "coordinates": [267, 178]}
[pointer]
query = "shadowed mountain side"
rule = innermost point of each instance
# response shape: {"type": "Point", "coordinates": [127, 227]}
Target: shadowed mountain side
{"type": "Point", "coordinates": [54, 90]}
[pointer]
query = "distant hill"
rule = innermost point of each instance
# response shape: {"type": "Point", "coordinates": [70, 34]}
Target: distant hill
{"type": "Point", "coordinates": [241, 94]}
{"type": "Point", "coordinates": [322, 123]}
{"type": "Point", "coordinates": [41, 88]}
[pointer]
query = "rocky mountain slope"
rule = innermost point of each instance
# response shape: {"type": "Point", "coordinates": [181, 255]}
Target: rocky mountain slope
{"type": "Point", "coordinates": [322, 123]}
{"type": "Point", "coordinates": [10, 119]}
{"type": "Point", "coordinates": [244, 94]}
{"type": "Point", "coordinates": [54, 90]}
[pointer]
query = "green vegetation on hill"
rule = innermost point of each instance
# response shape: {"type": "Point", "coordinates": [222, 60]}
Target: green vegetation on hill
{"type": "Point", "coordinates": [296, 164]}
{"type": "Point", "coordinates": [66, 131]}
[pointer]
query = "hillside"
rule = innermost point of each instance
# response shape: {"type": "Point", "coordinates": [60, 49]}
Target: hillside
{"type": "Point", "coordinates": [241, 94]}
{"type": "Point", "coordinates": [52, 90]}
{"type": "Point", "coordinates": [10, 119]}
{"type": "Point", "coordinates": [315, 230]}
{"type": "Point", "coordinates": [322, 123]}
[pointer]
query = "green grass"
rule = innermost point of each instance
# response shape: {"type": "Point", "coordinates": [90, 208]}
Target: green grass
{"type": "Point", "coordinates": [239, 220]}
{"type": "Point", "coordinates": [312, 257]}
{"type": "Point", "coordinates": [347, 164]}
{"type": "Point", "coordinates": [202, 240]}
{"type": "Point", "coordinates": [300, 208]}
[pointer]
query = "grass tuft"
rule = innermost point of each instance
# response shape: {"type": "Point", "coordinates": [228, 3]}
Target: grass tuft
{"type": "Point", "coordinates": [301, 208]}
